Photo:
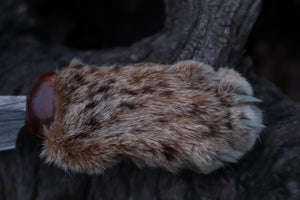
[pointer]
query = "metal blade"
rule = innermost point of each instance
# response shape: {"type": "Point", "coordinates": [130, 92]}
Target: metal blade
{"type": "Point", "coordinates": [12, 119]}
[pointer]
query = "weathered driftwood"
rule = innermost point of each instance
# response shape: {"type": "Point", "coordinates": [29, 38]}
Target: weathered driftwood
{"type": "Point", "coordinates": [211, 31]}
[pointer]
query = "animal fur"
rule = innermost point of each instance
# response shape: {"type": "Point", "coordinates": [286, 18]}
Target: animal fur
{"type": "Point", "coordinates": [177, 116]}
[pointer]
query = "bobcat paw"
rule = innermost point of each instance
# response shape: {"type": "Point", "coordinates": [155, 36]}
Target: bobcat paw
{"type": "Point", "coordinates": [171, 116]}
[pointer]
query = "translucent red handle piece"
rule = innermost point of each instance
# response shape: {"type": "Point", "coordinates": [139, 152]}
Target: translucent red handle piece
{"type": "Point", "coordinates": [40, 105]}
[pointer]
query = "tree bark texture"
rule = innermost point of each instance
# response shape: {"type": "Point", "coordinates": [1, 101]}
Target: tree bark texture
{"type": "Point", "coordinates": [211, 31]}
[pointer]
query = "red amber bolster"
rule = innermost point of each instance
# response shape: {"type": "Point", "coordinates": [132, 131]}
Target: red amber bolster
{"type": "Point", "coordinates": [40, 105]}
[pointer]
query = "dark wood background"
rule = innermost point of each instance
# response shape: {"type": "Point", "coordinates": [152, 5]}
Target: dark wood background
{"type": "Point", "coordinates": [39, 36]}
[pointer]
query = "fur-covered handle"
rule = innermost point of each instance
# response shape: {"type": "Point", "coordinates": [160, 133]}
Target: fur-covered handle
{"type": "Point", "coordinates": [177, 116]}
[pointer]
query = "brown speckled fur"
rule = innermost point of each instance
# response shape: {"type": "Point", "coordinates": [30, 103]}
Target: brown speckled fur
{"type": "Point", "coordinates": [170, 116]}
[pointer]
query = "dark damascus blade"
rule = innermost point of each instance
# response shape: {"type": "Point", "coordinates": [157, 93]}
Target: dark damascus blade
{"type": "Point", "coordinates": [12, 119]}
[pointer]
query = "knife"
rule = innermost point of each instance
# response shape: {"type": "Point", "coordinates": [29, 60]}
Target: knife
{"type": "Point", "coordinates": [182, 124]}
{"type": "Point", "coordinates": [34, 111]}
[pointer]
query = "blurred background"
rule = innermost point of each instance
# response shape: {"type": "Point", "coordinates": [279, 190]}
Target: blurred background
{"type": "Point", "coordinates": [273, 44]}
